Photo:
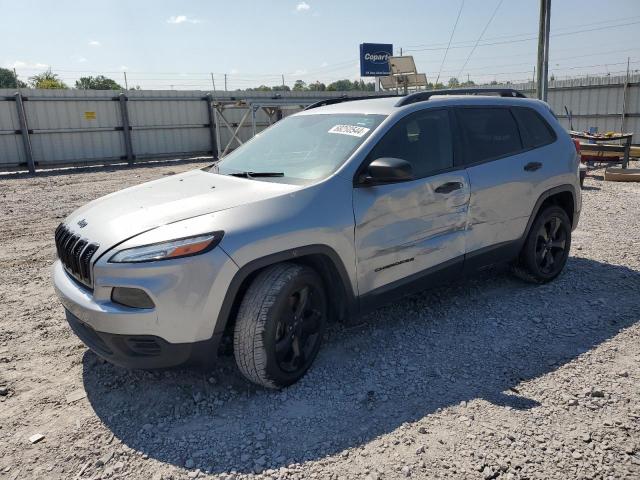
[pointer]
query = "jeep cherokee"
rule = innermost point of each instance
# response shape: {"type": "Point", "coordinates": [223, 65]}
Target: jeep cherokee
{"type": "Point", "coordinates": [329, 213]}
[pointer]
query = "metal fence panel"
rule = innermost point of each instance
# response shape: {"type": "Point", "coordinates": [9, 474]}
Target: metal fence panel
{"type": "Point", "coordinates": [62, 148]}
{"type": "Point", "coordinates": [170, 142]}
{"type": "Point", "coordinates": [75, 130]}
{"type": "Point", "coordinates": [83, 126]}
{"type": "Point", "coordinates": [11, 149]}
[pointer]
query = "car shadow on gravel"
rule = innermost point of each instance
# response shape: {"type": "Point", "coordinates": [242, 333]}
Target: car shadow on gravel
{"type": "Point", "coordinates": [478, 339]}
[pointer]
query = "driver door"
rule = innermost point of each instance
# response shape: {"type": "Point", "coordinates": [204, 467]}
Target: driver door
{"type": "Point", "coordinates": [406, 230]}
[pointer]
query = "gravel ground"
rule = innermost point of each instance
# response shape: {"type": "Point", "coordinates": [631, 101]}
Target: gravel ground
{"type": "Point", "coordinates": [488, 378]}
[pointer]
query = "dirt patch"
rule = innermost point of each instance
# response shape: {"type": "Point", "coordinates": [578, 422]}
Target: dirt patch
{"type": "Point", "coordinates": [488, 378]}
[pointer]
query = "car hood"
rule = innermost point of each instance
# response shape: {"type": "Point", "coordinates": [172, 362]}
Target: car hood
{"type": "Point", "coordinates": [119, 216]}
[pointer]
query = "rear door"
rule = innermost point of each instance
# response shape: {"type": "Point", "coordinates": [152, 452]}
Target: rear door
{"type": "Point", "coordinates": [405, 228]}
{"type": "Point", "coordinates": [504, 174]}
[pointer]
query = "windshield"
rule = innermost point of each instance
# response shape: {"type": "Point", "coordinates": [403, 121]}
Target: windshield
{"type": "Point", "coordinates": [301, 148]}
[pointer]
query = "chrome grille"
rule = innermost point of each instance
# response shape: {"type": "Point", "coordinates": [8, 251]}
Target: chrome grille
{"type": "Point", "coordinates": [75, 253]}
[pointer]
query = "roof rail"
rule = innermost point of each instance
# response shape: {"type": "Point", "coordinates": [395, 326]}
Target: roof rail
{"type": "Point", "coordinates": [423, 96]}
{"type": "Point", "coordinates": [344, 98]}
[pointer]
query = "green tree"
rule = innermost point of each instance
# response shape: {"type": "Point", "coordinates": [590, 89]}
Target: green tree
{"type": "Point", "coordinates": [47, 79]}
{"type": "Point", "coordinates": [300, 86]}
{"type": "Point", "coordinates": [434, 86]}
{"type": "Point", "coordinates": [281, 88]}
{"type": "Point", "coordinates": [368, 86]}
{"type": "Point", "coordinates": [317, 87]}
{"type": "Point", "coordinates": [340, 86]}
{"type": "Point", "coordinates": [261, 88]}
{"type": "Point", "coordinates": [453, 82]}
{"type": "Point", "coordinates": [347, 85]}
{"type": "Point", "coordinates": [8, 79]}
{"type": "Point", "coordinates": [97, 83]}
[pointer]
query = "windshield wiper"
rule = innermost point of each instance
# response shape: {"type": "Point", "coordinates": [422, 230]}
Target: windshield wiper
{"type": "Point", "coordinates": [257, 174]}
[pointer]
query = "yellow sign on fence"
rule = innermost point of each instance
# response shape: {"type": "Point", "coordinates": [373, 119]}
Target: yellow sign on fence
{"type": "Point", "coordinates": [89, 115]}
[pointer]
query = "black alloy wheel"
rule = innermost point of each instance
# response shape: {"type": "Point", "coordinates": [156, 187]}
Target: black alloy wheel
{"type": "Point", "coordinates": [551, 242]}
{"type": "Point", "coordinates": [546, 247]}
{"type": "Point", "coordinates": [298, 330]}
{"type": "Point", "coordinates": [280, 324]}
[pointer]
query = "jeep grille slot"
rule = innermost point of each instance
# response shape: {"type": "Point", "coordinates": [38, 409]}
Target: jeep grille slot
{"type": "Point", "coordinates": [75, 253]}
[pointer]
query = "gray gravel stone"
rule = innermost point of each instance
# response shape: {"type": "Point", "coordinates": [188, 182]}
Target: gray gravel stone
{"type": "Point", "coordinates": [491, 376]}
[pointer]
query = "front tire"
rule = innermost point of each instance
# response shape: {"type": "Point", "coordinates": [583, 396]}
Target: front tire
{"type": "Point", "coordinates": [546, 248]}
{"type": "Point", "coordinates": [280, 324]}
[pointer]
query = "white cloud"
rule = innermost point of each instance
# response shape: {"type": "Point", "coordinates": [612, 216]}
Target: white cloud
{"type": "Point", "coordinates": [19, 64]}
{"type": "Point", "coordinates": [124, 68]}
{"type": "Point", "coordinates": [303, 7]}
{"type": "Point", "coordinates": [324, 64]}
{"type": "Point", "coordinates": [234, 71]}
{"type": "Point", "coordinates": [78, 58]}
{"type": "Point", "coordinates": [178, 19]}
{"type": "Point", "coordinates": [94, 43]}
{"type": "Point", "coordinates": [299, 72]}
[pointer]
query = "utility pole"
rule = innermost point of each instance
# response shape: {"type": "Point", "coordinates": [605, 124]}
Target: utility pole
{"type": "Point", "coordinates": [543, 50]}
{"type": "Point", "coordinates": [533, 79]}
{"type": "Point", "coordinates": [625, 89]}
{"type": "Point", "coordinates": [15, 76]}
{"type": "Point", "coordinates": [126, 84]}
{"type": "Point", "coordinates": [283, 81]}
{"type": "Point", "coordinates": [213, 82]}
{"type": "Point", "coordinates": [225, 82]}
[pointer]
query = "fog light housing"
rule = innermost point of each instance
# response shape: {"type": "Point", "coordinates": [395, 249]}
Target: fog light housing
{"type": "Point", "coordinates": [131, 297]}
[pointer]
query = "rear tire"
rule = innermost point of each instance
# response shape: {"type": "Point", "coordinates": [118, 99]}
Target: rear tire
{"type": "Point", "coordinates": [546, 248]}
{"type": "Point", "coordinates": [280, 324]}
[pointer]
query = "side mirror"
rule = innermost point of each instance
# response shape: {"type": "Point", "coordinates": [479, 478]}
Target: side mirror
{"type": "Point", "coordinates": [387, 170]}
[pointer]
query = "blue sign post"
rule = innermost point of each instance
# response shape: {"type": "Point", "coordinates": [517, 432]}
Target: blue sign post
{"type": "Point", "coordinates": [374, 59]}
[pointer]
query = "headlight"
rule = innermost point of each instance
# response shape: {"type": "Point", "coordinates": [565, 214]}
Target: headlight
{"type": "Point", "coordinates": [182, 247]}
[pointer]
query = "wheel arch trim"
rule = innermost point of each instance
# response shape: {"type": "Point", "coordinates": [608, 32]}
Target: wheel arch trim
{"type": "Point", "coordinates": [566, 188]}
{"type": "Point", "coordinates": [294, 254]}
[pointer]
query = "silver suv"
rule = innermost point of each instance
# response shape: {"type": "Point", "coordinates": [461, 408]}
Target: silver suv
{"type": "Point", "coordinates": [327, 214]}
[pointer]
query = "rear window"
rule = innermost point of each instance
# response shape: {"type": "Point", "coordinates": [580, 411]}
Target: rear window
{"type": "Point", "coordinates": [535, 131]}
{"type": "Point", "coordinates": [488, 133]}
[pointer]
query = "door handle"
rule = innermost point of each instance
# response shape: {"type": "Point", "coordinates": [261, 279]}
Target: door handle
{"type": "Point", "coordinates": [449, 187]}
{"type": "Point", "coordinates": [532, 166]}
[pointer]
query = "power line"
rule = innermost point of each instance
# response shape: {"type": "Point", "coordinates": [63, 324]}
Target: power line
{"type": "Point", "coordinates": [529, 63]}
{"type": "Point", "coordinates": [204, 80]}
{"type": "Point", "coordinates": [480, 37]}
{"type": "Point", "coordinates": [531, 38]}
{"type": "Point", "coordinates": [450, 38]}
{"type": "Point", "coordinates": [556, 29]}
{"type": "Point", "coordinates": [335, 67]}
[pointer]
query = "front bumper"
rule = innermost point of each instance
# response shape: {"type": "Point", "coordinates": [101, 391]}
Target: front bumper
{"type": "Point", "coordinates": [142, 351]}
{"type": "Point", "coordinates": [187, 293]}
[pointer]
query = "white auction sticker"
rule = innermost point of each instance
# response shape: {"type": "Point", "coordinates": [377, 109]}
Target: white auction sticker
{"type": "Point", "coordinates": [353, 130]}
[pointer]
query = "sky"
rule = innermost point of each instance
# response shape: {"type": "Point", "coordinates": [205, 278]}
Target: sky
{"type": "Point", "coordinates": [179, 44]}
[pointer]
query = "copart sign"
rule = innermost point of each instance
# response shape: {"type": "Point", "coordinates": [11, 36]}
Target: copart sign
{"type": "Point", "coordinates": [374, 59]}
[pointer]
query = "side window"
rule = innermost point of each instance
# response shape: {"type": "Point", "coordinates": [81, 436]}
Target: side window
{"type": "Point", "coordinates": [535, 131]}
{"type": "Point", "coordinates": [488, 133]}
{"type": "Point", "coordinates": [422, 139]}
